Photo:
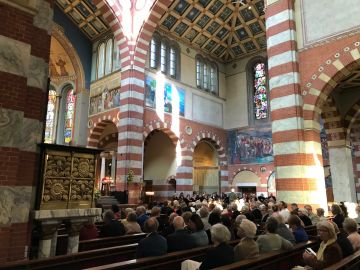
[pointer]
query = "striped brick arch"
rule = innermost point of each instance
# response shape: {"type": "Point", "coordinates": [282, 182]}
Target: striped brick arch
{"type": "Point", "coordinates": [96, 132]}
{"type": "Point", "coordinates": [333, 124]}
{"type": "Point", "coordinates": [164, 127]}
{"type": "Point", "coordinates": [213, 139]}
{"type": "Point", "coordinates": [317, 89]}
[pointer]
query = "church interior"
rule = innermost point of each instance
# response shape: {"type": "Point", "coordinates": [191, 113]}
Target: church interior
{"type": "Point", "coordinates": [137, 101]}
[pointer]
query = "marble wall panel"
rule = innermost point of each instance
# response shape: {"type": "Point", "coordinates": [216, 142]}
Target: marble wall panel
{"type": "Point", "coordinates": [15, 203]}
{"type": "Point", "coordinates": [44, 17]}
{"type": "Point", "coordinates": [10, 127]}
{"type": "Point", "coordinates": [14, 56]}
{"type": "Point", "coordinates": [38, 73]}
{"type": "Point", "coordinates": [31, 133]}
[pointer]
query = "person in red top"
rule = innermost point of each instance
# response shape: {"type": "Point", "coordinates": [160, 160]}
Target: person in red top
{"type": "Point", "coordinates": [88, 231]}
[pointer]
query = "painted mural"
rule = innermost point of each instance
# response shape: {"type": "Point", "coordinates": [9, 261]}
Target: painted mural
{"type": "Point", "coordinates": [107, 100]}
{"type": "Point", "coordinates": [253, 146]}
{"type": "Point", "coordinates": [170, 92]}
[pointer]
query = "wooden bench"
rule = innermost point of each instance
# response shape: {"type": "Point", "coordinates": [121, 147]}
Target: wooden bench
{"type": "Point", "coordinates": [110, 241]}
{"type": "Point", "coordinates": [77, 260]}
{"type": "Point", "coordinates": [279, 260]}
{"type": "Point", "coordinates": [351, 262]}
{"type": "Point", "coordinates": [173, 260]}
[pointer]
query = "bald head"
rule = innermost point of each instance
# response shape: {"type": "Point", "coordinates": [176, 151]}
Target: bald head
{"type": "Point", "coordinates": [151, 225]}
{"type": "Point", "coordinates": [178, 223]}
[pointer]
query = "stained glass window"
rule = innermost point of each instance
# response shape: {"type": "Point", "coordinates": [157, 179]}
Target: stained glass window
{"type": "Point", "coordinates": [69, 115]}
{"type": "Point", "coordinates": [260, 92]}
{"type": "Point", "coordinates": [50, 117]}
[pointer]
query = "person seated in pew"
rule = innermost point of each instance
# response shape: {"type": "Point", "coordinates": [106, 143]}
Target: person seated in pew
{"type": "Point", "coordinates": [247, 247]}
{"type": "Point", "coordinates": [329, 251]}
{"type": "Point", "coordinates": [131, 225]}
{"type": "Point", "coordinates": [153, 244]}
{"type": "Point", "coordinates": [116, 211]}
{"type": "Point", "coordinates": [282, 229]}
{"type": "Point", "coordinates": [320, 212]}
{"type": "Point", "coordinates": [198, 233]}
{"type": "Point", "coordinates": [271, 240]}
{"type": "Point", "coordinates": [181, 238]}
{"type": "Point", "coordinates": [343, 241]}
{"type": "Point", "coordinates": [219, 255]}
{"type": "Point", "coordinates": [88, 231]}
{"type": "Point", "coordinates": [141, 215]}
{"type": "Point", "coordinates": [304, 216]}
{"type": "Point", "coordinates": [297, 229]}
{"type": "Point", "coordinates": [314, 218]}
{"type": "Point", "coordinates": [112, 227]}
{"type": "Point", "coordinates": [169, 229]}
{"type": "Point", "coordinates": [338, 215]}
{"type": "Point", "coordinates": [350, 227]}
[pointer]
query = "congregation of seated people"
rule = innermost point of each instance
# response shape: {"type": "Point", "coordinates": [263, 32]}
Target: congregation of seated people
{"type": "Point", "coordinates": [261, 225]}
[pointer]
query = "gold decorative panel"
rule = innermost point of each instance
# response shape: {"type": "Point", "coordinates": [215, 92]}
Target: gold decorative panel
{"type": "Point", "coordinates": [68, 178]}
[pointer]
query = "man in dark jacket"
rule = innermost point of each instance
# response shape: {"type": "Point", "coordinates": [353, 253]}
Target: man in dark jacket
{"type": "Point", "coordinates": [112, 227]}
{"type": "Point", "coordinates": [154, 244]}
{"type": "Point", "coordinates": [181, 238]}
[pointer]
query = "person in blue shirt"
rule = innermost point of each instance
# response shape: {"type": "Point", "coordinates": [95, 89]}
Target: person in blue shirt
{"type": "Point", "coordinates": [297, 229]}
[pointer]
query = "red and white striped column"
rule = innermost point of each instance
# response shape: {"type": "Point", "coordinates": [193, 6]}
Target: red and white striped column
{"type": "Point", "coordinates": [297, 153]}
{"type": "Point", "coordinates": [24, 57]}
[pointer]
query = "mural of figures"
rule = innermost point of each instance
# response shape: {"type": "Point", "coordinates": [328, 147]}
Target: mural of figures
{"type": "Point", "coordinates": [169, 91]}
{"type": "Point", "coordinates": [250, 147]}
{"type": "Point", "coordinates": [108, 100]}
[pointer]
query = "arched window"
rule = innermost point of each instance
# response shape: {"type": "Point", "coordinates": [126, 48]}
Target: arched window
{"type": "Point", "coordinates": [164, 55]}
{"type": "Point", "coordinates": [101, 61]}
{"type": "Point", "coordinates": [206, 75]}
{"type": "Point", "coordinates": [108, 58]}
{"type": "Point", "coordinates": [258, 95]}
{"type": "Point", "coordinates": [50, 118]}
{"type": "Point", "coordinates": [260, 91]}
{"type": "Point", "coordinates": [69, 115]}
{"type": "Point", "coordinates": [153, 52]}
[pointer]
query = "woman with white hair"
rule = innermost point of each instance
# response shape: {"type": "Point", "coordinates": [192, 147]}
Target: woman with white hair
{"type": "Point", "coordinates": [221, 254]}
{"type": "Point", "coordinates": [329, 251]}
{"type": "Point", "coordinates": [247, 247]}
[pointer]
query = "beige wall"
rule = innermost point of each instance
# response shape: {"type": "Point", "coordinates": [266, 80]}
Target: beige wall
{"type": "Point", "coordinates": [160, 158]}
{"type": "Point", "coordinates": [236, 106]}
{"type": "Point", "coordinates": [324, 19]}
{"type": "Point", "coordinates": [205, 155]}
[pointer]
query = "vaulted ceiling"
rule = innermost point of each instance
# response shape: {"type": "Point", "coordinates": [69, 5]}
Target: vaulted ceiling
{"type": "Point", "coordinates": [85, 15]}
{"type": "Point", "coordinates": [225, 29]}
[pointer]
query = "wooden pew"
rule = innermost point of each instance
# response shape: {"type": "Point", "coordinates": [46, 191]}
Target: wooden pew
{"type": "Point", "coordinates": [110, 241]}
{"type": "Point", "coordinates": [77, 260]}
{"type": "Point", "coordinates": [351, 262]}
{"type": "Point", "coordinates": [279, 260]}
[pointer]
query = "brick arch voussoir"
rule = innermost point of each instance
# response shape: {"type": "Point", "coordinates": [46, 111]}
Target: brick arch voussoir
{"type": "Point", "coordinates": [336, 67]}
{"type": "Point", "coordinates": [214, 140]}
{"type": "Point", "coordinates": [156, 12]}
{"type": "Point", "coordinates": [164, 127]}
{"type": "Point", "coordinates": [96, 131]}
{"type": "Point", "coordinates": [329, 114]}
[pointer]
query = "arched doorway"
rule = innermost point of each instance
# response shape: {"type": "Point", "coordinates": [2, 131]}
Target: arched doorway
{"type": "Point", "coordinates": [205, 168]}
{"type": "Point", "coordinates": [246, 182]}
{"type": "Point", "coordinates": [159, 164]}
{"type": "Point", "coordinates": [108, 141]}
